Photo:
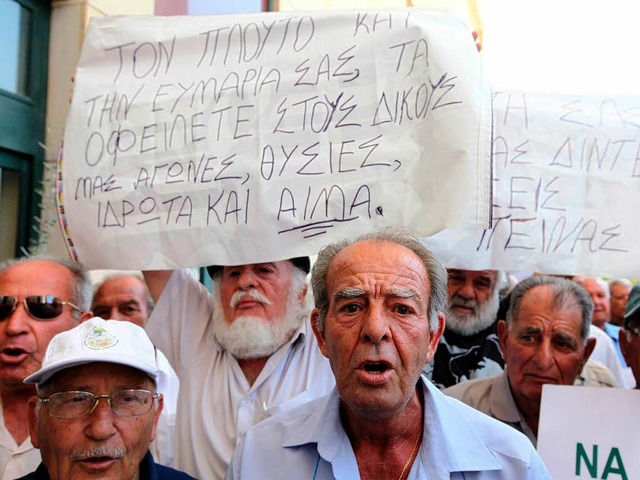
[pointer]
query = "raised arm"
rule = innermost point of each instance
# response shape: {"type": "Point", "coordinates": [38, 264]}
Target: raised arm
{"type": "Point", "coordinates": [156, 281]}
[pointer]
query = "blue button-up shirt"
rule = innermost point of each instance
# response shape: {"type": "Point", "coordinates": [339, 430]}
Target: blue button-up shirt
{"type": "Point", "coordinates": [309, 442]}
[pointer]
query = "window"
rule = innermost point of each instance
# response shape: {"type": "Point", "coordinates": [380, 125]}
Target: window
{"type": "Point", "coordinates": [24, 36]}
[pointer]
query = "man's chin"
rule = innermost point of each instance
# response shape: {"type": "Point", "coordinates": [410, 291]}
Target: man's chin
{"type": "Point", "coordinates": [250, 338]}
{"type": "Point", "coordinates": [464, 324]}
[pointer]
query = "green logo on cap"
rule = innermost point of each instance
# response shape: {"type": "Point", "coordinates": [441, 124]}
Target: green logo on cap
{"type": "Point", "coordinates": [99, 339]}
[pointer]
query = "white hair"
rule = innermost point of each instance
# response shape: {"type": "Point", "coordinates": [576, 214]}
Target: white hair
{"type": "Point", "coordinates": [252, 337]}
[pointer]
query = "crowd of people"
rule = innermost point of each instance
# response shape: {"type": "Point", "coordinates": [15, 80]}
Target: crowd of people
{"type": "Point", "coordinates": [156, 376]}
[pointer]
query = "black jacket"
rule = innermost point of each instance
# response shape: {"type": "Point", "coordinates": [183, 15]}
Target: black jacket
{"type": "Point", "coordinates": [149, 470]}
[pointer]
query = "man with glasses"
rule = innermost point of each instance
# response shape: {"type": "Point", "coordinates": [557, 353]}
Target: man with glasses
{"type": "Point", "coordinates": [126, 297]}
{"type": "Point", "coordinates": [96, 408]}
{"type": "Point", "coordinates": [39, 297]}
{"type": "Point", "coordinates": [630, 334]}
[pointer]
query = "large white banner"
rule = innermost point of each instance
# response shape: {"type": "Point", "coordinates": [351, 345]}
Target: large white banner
{"type": "Point", "coordinates": [589, 432]}
{"type": "Point", "coordinates": [566, 188]}
{"type": "Point", "coordinates": [236, 139]}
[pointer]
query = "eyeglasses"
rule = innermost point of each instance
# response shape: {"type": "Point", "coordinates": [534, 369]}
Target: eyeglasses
{"type": "Point", "coordinates": [76, 404]}
{"type": "Point", "coordinates": [40, 307]}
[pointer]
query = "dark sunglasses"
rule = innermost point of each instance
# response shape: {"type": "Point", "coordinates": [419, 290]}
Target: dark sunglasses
{"type": "Point", "coordinates": [40, 307]}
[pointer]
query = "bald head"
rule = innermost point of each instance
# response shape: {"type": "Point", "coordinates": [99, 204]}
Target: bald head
{"type": "Point", "coordinates": [123, 297]}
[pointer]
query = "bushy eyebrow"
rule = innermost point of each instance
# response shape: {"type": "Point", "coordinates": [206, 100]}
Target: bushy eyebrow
{"type": "Point", "coordinates": [402, 292]}
{"type": "Point", "coordinates": [568, 339]}
{"type": "Point", "coordinates": [356, 292]}
{"type": "Point", "coordinates": [349, 292]}
{"type": "Point", "coordinates": [528, 330]}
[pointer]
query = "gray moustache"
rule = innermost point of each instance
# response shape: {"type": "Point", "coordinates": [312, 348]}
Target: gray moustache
{"type": "Point", "coordinates": [254, 295]}
{"type": "Point", "coordinates": [111, 452]}
{"type": "Point", "coordinates": [463, 302]}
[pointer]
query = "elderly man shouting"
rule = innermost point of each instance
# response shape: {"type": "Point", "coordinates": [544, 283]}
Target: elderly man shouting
{"type": "Point", "coordinates": [97, 408]}
{"type": "Point", "coordinates": [378, 319]}
{"type": "Point", "coordinates": [39, 297]}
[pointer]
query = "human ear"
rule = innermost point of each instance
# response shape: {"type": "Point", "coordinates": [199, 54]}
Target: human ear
{"type": "Point", "coordinates": [503, 333]}
{"type": "Point", "coordinates": [32, 418]}
{"type": "Point", "coordinates": [319, 334]}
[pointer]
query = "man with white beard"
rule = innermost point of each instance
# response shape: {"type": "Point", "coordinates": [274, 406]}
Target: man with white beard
{"type": "Point", "coordinates": [469, 347]}
{"type": "Point", "coordinates": [242, 353]}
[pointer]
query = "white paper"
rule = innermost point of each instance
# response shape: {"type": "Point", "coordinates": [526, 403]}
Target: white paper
{"type": "Point", "coordinates": [588, 430]}
{"type": "Point", "coordinates": [566, 188]}
{"type": "Point", "coordinates": [311, 128]}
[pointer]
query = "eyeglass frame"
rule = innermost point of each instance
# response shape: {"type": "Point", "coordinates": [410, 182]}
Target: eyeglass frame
{"type": "Point", "coordinates": [97, 398]}
{"type": "Point", "coordinates": [24, 300]}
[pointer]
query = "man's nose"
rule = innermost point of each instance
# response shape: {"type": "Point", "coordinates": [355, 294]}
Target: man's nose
{"type": "Point", "coordinates": [101, 421]}
{"type": "Point", "coordinates": [375, 328]}
{"type": "Point", "coordinates": [247, 279]}
{"type": "Point", "coordinates": [467, 291]}
{"type": "Point", "coordinates": [544, 354]}
{"type": "Point", "coordinates": [18, 321]}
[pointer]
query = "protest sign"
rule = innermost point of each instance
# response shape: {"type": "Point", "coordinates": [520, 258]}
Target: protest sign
{"type": "Point", "coordinates": [590, 432]}
{"type": "Point", "coordinates": [566, 188]}
{"type": "Point", "coordinates": [242, 138]}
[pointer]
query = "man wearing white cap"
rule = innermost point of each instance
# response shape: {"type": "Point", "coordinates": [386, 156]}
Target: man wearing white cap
{"type": "Point", "coordinates": [80, 436]}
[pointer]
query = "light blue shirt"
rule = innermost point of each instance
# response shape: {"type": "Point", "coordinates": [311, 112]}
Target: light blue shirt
{"type": "Point", "coordinates": [613, 331]}
{"type": "Point", "coordinates": [459, 443]}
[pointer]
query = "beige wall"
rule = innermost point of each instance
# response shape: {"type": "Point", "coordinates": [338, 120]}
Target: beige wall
{"type": "Point", "coordinates": [120, 7]}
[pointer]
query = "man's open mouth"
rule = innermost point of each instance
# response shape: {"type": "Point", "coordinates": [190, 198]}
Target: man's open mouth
{"type": "Point", "coordinates": [98, 459]}
{"type": "Point", "coordinates": [376, 367]}
{"type": "Point", "coordinates": [11, 355]}
{"type": "Point", "coordinates": [14, 352]}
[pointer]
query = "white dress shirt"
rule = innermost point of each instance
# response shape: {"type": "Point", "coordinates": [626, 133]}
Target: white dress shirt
{"type": "Point", "coordinates": [15, 460]}
{"type": "Point", "coordinates": [216, 404]}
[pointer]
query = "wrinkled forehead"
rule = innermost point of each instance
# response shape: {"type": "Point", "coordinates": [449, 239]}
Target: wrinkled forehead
{"type": "Point", "coordinates": [620, 289]}
{"type": "Point", "coordinates": [280, 266]}
{"type": "Point", "coordinates": [96, 376]}
{"type": "Point", "coordinates": [122, 285]}
{"type": "Point", "coordinates": [37, 277]}
{"type": "Point", "coordinates": [377, 267]}
{"type": "Point", "coordinates": [543, 302]}
{"type": "Point", "coordinates": [595, 287]}
{"type": "Point", "coordinates": [122, 292]}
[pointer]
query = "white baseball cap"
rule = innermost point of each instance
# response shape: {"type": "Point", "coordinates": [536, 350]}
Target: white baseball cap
{"type": "Point", "coordinates": [98, 340]}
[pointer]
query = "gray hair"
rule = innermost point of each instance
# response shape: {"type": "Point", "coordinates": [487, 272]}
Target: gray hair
{"type": "Point", "coordinates": [394, 235]}
{"type": "Point", "coordinates": [81, 288]}
{"type": "Point", "coordinates": [619, 281]}
{"type": "Point", "coordinates": [298, 282]}
{"type": "Point", "coordinates": [565, 293]}
{"type": "Point", "coordinates": [116, 276]}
